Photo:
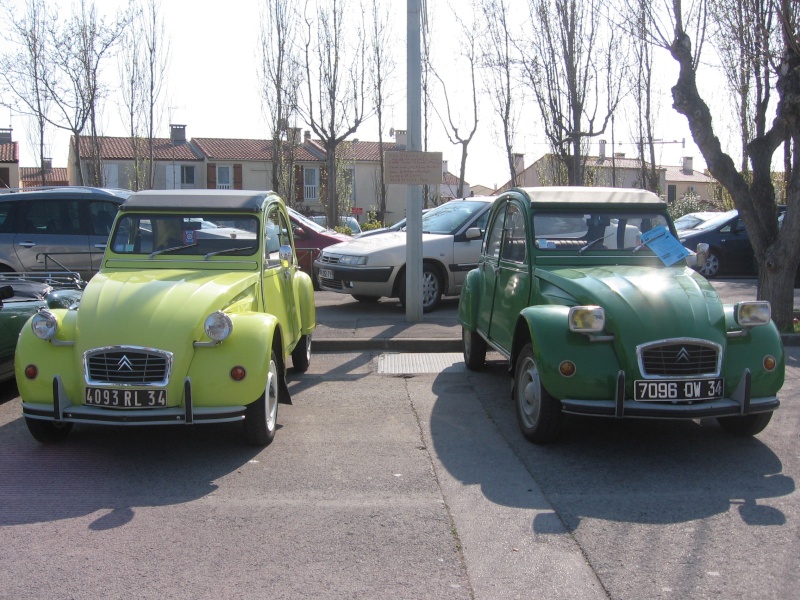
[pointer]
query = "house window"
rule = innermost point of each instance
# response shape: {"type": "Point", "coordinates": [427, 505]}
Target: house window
{"type": "Point", "coordinates": [187, 176]}
{"type": "Point", "coordinates": [310, 183]}
{"type": "Point", "coordinates": [672, 193]}
{"type": "Point", "coordinates": [224, 178]}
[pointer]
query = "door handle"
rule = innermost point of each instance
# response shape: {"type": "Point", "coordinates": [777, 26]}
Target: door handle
{"type": "Point", "coordinates": [27, 244]}
{"type": "Point", "coordinates": [101, 246]}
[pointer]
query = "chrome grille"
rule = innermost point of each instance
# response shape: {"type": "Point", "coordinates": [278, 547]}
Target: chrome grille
{"type": "Point", "coordinates": [680, 358]}
{"type": "Point", "coordinates": [127, 366]}
{"type": "Point", "coordinates": [330, 259]}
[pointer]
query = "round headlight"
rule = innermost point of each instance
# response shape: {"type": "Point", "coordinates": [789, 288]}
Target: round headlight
{"type": "Point", "coordinates": [44, 325]}
{"type": "Point", "coordinates": [218, 326]}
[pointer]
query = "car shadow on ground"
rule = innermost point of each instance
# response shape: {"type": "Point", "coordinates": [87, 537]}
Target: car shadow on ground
{"type": "Point", "coordinates": [113, 471]}
{"type": "Point", "coordinates": [637, 471]}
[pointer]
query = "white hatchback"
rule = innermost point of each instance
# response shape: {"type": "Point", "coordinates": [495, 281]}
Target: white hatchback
{"type": "Point", "coordinates": [373, 267]}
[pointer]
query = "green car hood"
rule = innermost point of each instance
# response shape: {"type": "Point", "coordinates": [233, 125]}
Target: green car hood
{"type": "Point", "coordinates": [157, 308]}
{"type": "Point", "coordinates": [641, 303]}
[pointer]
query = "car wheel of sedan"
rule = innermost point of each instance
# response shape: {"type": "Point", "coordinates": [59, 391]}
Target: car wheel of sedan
{"type": "Point", "coordinates": [367, 299]}
{"type": "Point", "coordinates": [431, 288]}
{"type": "Point", "coordinates": [538, 413]}
{"type": "Point", "coordinates": [48, 432]}
{"type": "Point", "coordinates": [711, 266]}
{"type": "Point", "coordinates": [261, 418]}
{"type": "Point", "coordinates": [301, 355]}
{"type": "Point", "coordinates": [745, 425]}
{"type": "Point", "coordinates": [474, 349]}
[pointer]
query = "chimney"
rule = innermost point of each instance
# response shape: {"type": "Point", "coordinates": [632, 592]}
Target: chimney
{"type": "Point", "coordinates": [688, 167]}
{"type": "Point", "coordinates": [602, 150]}
{"type": "Point", "coordinates": [177, 134]}
{"type": "Point", "coordinates": [444, 166]}
{"type": "Point", "coordinates": [307, 136]}
{"type": "Point", "coordinates": [5, 136]}
{"type": "Point", "coordinates": [400, 137]}
{"type": "Point", "coordinates": [295, 135]}
{"type": "Point", "coordinates": [519, 163]}
{"type": "Point", "coordinates": [47, 165]}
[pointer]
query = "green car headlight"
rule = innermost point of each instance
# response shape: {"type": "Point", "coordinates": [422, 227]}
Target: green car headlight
{"type": "Point", "coordinates": [587, 319]}
{"type": "Point", "coordinates": [751, 314]}
{"type": "Point", "coordinates": [218, 326]}
{"type": "Point", "coordinates": [44, 325]}
{"type": "Point", "coordinates": [353, 260]}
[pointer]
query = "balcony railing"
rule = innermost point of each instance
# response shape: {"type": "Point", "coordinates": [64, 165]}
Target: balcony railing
{"type": "Point", "coordinates": [223, 186]}
{"type": "Point", "coordinates": [310, 192]}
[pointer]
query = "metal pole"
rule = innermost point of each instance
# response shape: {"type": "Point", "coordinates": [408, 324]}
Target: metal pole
{"type": "Point", "coordinates": [414, 144]}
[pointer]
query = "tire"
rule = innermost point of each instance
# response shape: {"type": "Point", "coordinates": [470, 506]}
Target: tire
{"type": "Point", "coordinates": [431, 288]}
{"type": "Point", "coordinates": [474, 349]}
{"type": "Point", "coordinates": [711, 267]}
{"type": "Point", "coordinates": [745, 425]}
{"type": "Point", "coordinates": [48, 432]}
{"type": "Point", "coordinates": [301, 355]}
{"type": "Point", "coordinates": [366, 299]}
{"type": "Point", "coordinates": [538, 413]}
{"type": "Point", "coordinates": [261, 418]}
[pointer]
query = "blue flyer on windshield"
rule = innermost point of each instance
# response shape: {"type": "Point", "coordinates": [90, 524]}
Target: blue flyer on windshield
{"type": "Point", "coordinates": [664, 245]}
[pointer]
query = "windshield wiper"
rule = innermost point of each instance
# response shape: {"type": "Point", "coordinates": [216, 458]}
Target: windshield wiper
{"type": "Point", "coordinates": [593, 242]}
{"type": "Point", "coordinates": [210, 254]}
{"type": "Point", "coordinates": [157, 252]}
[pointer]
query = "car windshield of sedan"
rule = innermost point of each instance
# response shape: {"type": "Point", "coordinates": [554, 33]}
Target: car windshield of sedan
{"type": "Point", "coordinates": [593, 231]}
{"type": "Point", "coordinates": [448, 218]}
{"type": "Point", "coordinates": [193, 235]}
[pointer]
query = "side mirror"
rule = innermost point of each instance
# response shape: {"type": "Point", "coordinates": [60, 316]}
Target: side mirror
{"type": "Point", "coordinates": [473, 233]}
{"type": "Point", "coordinates": [286, 256]}
{"type": "Point", "coordinates": [299, 232]}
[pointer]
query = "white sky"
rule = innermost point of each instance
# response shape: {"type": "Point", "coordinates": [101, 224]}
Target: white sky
{"type": "Point", "coordinates": [213, 90]}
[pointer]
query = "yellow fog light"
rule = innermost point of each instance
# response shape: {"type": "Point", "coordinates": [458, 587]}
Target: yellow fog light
{"type": "Point", "coordinates": [770, 363]}
{"type": "Point", "coordinates": [586, 319]}
{"type": "Point", "coordinates": [567, 368]}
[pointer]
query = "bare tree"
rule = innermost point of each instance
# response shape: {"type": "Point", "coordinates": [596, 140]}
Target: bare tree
{"type": "Point", "coordinates": [572, 65]}
{"type": "Point", "coordinates": [777, 249]}
{"type": "Point", "coordinates": [25, 70]}
{"type": "Point", "coordinates": [336, 84]}
{"type": "Point", "coordinates": [280, 74]}
{"type": "Point", "coordinates": [500, 61]}
{"type": "Point", "coordinates": [381, 69]}
{"type": "Point", "coordinates": [469, 51]}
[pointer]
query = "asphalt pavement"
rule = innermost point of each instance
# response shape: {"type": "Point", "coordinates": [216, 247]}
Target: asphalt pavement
{"type": "Point", "coordinates": [345, 324]}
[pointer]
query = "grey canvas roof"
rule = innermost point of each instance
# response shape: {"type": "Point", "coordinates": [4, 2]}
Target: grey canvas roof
{"type": "Point", "coordinates": [590, 195]}
{"type": "Point", "coordinates": [209, 200]}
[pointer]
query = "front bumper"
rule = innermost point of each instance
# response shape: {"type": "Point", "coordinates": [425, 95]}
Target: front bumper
{"type": "Point", "coordinates": [739, 403]}
{"type": "Point", "coordinates": [343, 277]}
{"type": "Point", "coordinates": [62, 410]}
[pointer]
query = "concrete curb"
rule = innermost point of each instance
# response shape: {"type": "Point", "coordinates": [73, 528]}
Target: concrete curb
{"type": "Point", "coordinates": [387, 345]}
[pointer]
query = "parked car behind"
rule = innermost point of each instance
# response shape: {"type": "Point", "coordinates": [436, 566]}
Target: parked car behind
{"type": "Point", "coordinates": [372, 267]}
{"type": "Point", "coordinates": [62, 228]}
{"type": "Point", "coordinates": [350, 222]}
{"type": "Point", "coordinates": [21, 297]}
{"type": "Point", "coordinates": [310, 238]}
{"type": "Point", "coordinates": [586, 293]}
{"type": "Point", "coordinates": [178, 326]}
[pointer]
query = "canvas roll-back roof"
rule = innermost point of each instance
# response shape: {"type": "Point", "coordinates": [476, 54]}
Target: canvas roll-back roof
{"type": "Point", "coordinates": [246, 201]}
{"type": "Point", "coordinates": [589, 195]}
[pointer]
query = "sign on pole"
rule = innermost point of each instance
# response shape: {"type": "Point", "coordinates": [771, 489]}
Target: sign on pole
{"type": "Point", "coordinates": [413, 168]}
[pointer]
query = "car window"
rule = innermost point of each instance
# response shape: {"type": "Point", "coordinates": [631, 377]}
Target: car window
{"type": "Point", "coordinates": [7, 213]}
{"type": "Point", "coordinates": [56, 217]}
{"type": "Point", "coordinates": [495, 236]}
{"type": "Point", "coordinates": [192, 235]}
{"type": "Point", "coordinates": [276, 232]}
{"type": "Point", "coordinates": [102, 216]}
{"type": "Point", "coordinates": [305, 222]}
{"type": "Point", "coordinates": [598, 231]}
{"type": "Point", "coordinates": [448, 218]}
{"type": "Point", "coordinates": [514, 244]}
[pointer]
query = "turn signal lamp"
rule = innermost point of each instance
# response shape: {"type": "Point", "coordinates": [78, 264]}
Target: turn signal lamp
{"type": "Point", "coordinates": [586, 319]}
{"type": "Point", "coordinates": [238, 373]}
{"type": "Point", "coordinates": [751, 314]}
{"type": "Point", "coordinates": [31, 372]}
{"type": "Point", "coordinates": [769, 363]}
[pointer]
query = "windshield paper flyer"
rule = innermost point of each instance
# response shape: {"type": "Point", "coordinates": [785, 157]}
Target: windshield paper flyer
{"type": "Point", "coordinates": [664, 245]}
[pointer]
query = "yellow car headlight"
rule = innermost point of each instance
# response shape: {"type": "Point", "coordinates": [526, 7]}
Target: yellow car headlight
{"type": "Point", "coordinates": [218, 326]}
{"type": "Point", "coordinates": [44, 325]}
{"type": "Point", "coordinates": [587, 319]}
{"type": "Point", "coordinates": [751, 314]}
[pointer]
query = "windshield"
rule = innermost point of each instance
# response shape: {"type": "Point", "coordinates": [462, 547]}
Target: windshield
{"type": "Point", "coordinates": [584, 231]}
{"type": "Point", "coordinates": [304, 222]}
{"type": "Point", "coordinates": [448, 218]}
{"type": "Point", "coordinates": [194, 235]}
{"type": "Point", "coordinates": [717, 221]}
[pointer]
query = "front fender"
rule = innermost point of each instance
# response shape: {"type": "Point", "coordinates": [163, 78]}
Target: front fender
{"type": "Point", "coordinates": [748, 352]}
{"type": "Point", "coordinates": [469, 300]}
{"type": "Point", "coordinates": [548, 329]}
{"type": "Point", "coordinates": [306, 309]}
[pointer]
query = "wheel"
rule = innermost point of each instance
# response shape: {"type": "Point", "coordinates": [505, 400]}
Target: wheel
{"type": "Point", "coordinates": [745, 425]}
{"type": "Point", "coordinates": [431, 288]}
{"type": "Point", "coordinates": [367, 299]}
{"type": "Point", "coordinates": [538, 413]}
{"type": "Point", "coordinates": [301, 355]}
{"type": "Point", "coordinates": [711, 267]}
{"type": "Point", "coordinates": [261, 417]}
{"type": "Point", "coordinates": [474, 349]}
{"type": "Point", "coordinates": [48, 432]}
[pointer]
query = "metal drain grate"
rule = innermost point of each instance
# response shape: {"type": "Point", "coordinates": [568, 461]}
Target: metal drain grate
{"type": "Point", "coordinates": [412, 363]}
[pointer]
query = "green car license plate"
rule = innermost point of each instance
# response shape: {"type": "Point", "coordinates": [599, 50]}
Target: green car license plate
{"type": "Point", "coordinates": [120, 398]}
{"type": "Point", "coordinates": [679, 390]}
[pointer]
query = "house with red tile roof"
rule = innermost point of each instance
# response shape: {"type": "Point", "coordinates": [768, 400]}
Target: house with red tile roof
{"type": "Point", "coordinates": [9, 160]}
{"type": "Point", "coordinates": [45, 175]}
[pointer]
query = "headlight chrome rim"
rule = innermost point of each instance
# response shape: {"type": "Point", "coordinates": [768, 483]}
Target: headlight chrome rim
{"type": "Point", "coordinates": [218, 326]}
{"type": "Point", "coordinates": [752, 314]}
{"type": "Point", "coordinates": [587, 319]}
{"type": "Point", "coordinates": [44, 325]}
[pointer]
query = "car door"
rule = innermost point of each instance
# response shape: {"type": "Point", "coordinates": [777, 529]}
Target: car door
{"type": "Point", "coordinates": [466, 251]}
{"type": "Point", "coordinates": [278, 278]}
{"type": "Point", "coordinates": [51, 237]}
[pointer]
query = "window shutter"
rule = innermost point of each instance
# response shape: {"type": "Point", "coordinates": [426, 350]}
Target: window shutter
{"type": "Point", "coordinates": [211, 176]}
{"type": "Point", "coordinates": [298, 183]}
{"type": "Point", "coordinates": [237, 176]}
